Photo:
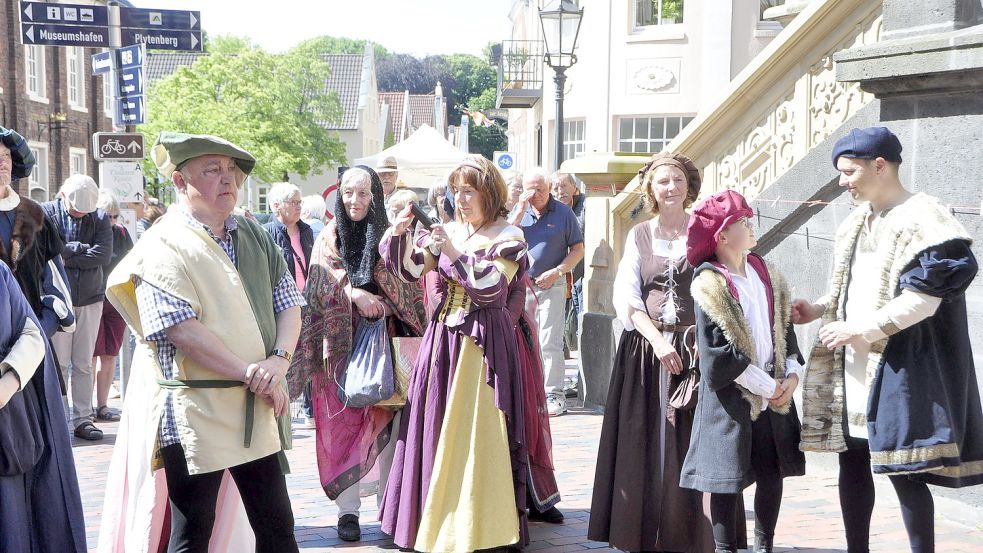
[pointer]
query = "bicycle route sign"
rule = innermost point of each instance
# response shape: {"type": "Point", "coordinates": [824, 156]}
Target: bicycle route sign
{"type": "Point", "coordinates": [117, 146]}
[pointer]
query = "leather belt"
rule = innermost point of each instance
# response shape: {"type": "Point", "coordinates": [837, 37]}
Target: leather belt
{"type": "Point", "coordinates": [671, 327]}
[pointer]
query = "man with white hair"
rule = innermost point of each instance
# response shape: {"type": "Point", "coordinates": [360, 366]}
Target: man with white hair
{"type": "Point", "coordinates": [388, 173]}
{"type": "Point", "coordinates": [88, 237]}
{"type": "Point", "coordinates": [296, 240]}
{"type": "Point", "coordinates": [312, 210]}
{"type": "Point", "coordinates": [556, 245]}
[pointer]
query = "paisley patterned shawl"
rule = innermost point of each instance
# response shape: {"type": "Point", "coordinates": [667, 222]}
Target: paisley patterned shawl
{"type": "Point", "coordinates": [326, 330]}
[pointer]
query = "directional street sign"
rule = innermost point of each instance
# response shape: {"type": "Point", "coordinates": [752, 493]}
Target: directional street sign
{"type": "Point", "coordinates": [129, 82]}
{"type": "Point", "coordinates": [159, 19]}
{"type": "Point", "coordinates": [101, 63]}
{"type": "Point", "coordinates": [67, 14]}
{"type": "Point", "coordinates": [117, 146]}
{"type": "Point", "coordinates": [163, 39]}
{"type": "Point", "coordinates": [123, 180]}
{"type": "Point", "coordinates": [131, 56]}
{"type": "Point", "coordinates": [129, 111]}
{"type": "Point", "coordinates": [65, 35]}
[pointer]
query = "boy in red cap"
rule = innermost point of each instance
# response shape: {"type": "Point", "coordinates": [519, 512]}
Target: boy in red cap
{"type": "Point", "coordinates": [746, 429]}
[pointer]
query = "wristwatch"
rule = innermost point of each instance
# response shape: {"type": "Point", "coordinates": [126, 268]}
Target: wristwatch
{"type": "Point", "coordinates": [559, 271]}
{"type": "Point", "coordinates": [280, 352]}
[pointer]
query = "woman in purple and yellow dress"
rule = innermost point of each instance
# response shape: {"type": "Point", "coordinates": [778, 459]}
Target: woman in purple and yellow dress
{"type": "Point", "coordinates": [458, 480]}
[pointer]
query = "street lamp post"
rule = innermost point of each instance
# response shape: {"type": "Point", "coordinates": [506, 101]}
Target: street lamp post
{"type": "Point", "coordinates": [561, 27]}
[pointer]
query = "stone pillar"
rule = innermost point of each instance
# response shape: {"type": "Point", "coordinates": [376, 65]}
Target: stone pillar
{"type": "Point", "coordinates": [925, 17]}
{"type": "Point", "coordinates": [927, 72]}
{"type": "Point", "coordinates": [597, 340]}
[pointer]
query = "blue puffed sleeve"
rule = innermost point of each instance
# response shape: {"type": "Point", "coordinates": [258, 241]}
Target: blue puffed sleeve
{"type": "Point", "coordinates": [941, 271]}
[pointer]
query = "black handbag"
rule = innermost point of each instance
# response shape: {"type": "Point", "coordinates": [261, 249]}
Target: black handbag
{"type": "Point", "coordinates": [685, 395]}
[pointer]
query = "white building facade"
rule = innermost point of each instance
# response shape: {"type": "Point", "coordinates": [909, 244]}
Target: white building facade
{"type": "Point", "coordinates": [644, 69]}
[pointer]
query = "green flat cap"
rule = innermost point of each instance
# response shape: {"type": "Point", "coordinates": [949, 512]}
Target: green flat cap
{"type": "Point", "coordinates": [173, 149]}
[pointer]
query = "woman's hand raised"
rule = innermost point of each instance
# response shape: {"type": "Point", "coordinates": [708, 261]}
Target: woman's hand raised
{"type": "Point", "coordinates": [440, 238]}
{"type": "Point", "coordinates": [403, 221]}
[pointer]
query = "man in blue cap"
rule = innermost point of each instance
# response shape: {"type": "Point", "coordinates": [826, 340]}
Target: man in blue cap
{"type": "Point", "coordinates": [891, 384]}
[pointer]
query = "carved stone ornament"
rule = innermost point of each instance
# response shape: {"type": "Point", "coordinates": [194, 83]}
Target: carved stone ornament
{"type": "Point", "coordinates": [654, 78]}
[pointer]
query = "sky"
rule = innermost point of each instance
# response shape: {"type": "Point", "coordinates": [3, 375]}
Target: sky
{"type": "Point", "coordinates": [418, 27]}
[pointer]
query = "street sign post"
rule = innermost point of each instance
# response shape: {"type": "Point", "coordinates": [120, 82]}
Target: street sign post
{"type": "Point", "coordinates": [64, 24]}
{"type": "Point", "coordinates": [130, 56]}
{"type": "Point", "coordinates": [123, 179]}
{"type": "Point", "coordinates": [65, 35]}
{"type": "Point", "coordinates": [505, 161]}
{"type": "Point", "coordinates": [129, 111]}
{"type": "Point", "coordinates": [118, 146]}
{"type": "Point", "coordinates": [129, 82]}
{"type": "Point", "coordinates": [67, 14]}
{"type": "Point", "coordinates": [102, 62]}
{"type": "Point", "coordinates": [141, 18]}
{"type": "Point", "coordinates": [163, 39]}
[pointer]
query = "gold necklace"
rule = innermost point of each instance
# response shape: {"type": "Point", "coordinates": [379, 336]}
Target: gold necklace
{"type": "Point", "coordinates": [663, 233]}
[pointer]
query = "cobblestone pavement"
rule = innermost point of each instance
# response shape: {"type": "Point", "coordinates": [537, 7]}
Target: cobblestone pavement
{"type": "Point", "coordinates": [810, 519]}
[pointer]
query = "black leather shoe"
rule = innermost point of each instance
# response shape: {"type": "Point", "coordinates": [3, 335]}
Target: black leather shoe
{"type": "Point", "coordinates": [763, 544]}
{"type": "Point", "coordinates": [348, 528]}
{"type": "Point", "coordinates": [551, 516]}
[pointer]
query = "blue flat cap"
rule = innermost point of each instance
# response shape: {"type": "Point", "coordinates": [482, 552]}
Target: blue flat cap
{"type": "Point", "coordinates": [20, 153]}
{"type": "Point", "coordinates": [869, 143]}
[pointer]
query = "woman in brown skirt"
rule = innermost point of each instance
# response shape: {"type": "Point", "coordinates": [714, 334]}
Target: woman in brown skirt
{"type": "Point", "coordinates": [638, 504]}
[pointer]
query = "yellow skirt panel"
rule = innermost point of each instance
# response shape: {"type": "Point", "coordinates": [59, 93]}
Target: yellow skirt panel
{"type": "Point", "coordinates": [471, 501]}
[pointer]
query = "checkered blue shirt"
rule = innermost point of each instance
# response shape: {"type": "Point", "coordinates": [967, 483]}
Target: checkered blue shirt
{"type": "Point", "coordinates": [160, 311]}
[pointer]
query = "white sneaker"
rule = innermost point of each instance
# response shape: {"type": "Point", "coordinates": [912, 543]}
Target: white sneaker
{"type": "Point", "coordinates": [556, 404]}
{"type": "Point", "coordinates": [308, 423]}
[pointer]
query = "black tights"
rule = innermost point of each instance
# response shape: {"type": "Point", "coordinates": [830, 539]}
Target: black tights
{"type": "Point", "coordinates": [857, 502]}
{"type": "Point", "coordinates": [264, 495]}
{"type": "Point", "coordinates": [767, 494]}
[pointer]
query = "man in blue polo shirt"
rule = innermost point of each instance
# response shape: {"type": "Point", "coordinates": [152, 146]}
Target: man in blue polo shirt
{"type": "Point", "coordinates": [556, 245]}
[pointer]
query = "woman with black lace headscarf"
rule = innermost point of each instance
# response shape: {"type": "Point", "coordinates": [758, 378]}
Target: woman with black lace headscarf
{"type": "Point", "coordinates": [348, 282]}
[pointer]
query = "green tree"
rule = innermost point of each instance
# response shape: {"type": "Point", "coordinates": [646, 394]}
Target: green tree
{"type": "Point", "coordinates": [473, 78]}
{"type": "Point", "coordinates": [339, 45]}
{"type": "Point", "coordinates": [273, 105]}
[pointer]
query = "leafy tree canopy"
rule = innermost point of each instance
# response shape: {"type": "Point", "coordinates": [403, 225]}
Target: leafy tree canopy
{"type": "Point", "coordinates": [339, 45]}
{"type": "Point", "coordinates": [270, 104]}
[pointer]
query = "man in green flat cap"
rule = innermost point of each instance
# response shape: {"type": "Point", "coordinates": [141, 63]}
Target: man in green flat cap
{"type": "Point", "coordinates": [217, 316]}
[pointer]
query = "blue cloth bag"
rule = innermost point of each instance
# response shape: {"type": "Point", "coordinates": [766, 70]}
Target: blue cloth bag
{"type": "Point", "coordinates": [368, 377]}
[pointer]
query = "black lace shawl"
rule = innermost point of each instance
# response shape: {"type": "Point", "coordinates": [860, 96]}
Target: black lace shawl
{"type": "Point", "coordinates": [358, 242]}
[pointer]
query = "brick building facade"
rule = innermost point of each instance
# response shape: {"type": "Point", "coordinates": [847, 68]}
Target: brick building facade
{"type": "Point", "coordinates": [49, 95]}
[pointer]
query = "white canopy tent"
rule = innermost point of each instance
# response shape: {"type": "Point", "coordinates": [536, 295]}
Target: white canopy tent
{"type": "Point", "coordinates": [423, 157]}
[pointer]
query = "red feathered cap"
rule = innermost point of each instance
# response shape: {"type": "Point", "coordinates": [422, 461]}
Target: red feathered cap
{"type": "Point", "coordinates": [711, 216]}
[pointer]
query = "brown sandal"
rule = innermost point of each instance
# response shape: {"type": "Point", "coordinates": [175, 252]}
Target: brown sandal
{"type": "Point", "coordinates": [88, 431]}
{"type": "Point", "coordinates": [104, 413]}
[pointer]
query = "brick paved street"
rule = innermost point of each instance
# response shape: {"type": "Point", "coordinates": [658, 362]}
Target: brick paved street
{"type": "Point", "coordinates": [810, 520]}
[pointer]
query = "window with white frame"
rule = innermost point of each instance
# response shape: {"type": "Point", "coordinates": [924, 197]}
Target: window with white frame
{"type": "Point", "coordinates": [37, 181]}
{"type": "Point", "coordinates": [76, 161]}
{"type": "Point", "coordinates": [75, 68]}
{"type": "Point", "coordinates": [574, 138]}
{"type": "Point", "coordinates": [262, 205]}
{"type": "Point", "coordinates": [648, 134]}
{"type": "Point", "coordinates": [35, 80]}
{"type": "Point", "coordinates": [107, 95]}
{"type": "Point", "coordinates": [658, 12]}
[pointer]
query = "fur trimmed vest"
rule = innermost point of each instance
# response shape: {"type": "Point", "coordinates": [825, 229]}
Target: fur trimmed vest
{"type": "Point", "coordinates": [715, 295]}
{"type": "Point", "coordinates": [727, 415]}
